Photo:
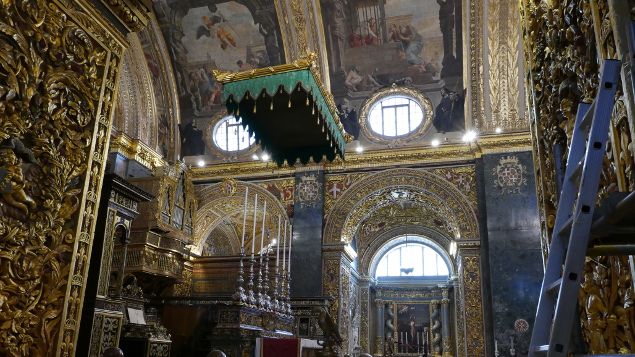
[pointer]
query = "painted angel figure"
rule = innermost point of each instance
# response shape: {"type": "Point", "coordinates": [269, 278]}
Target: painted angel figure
{"type": "Point", "coordinates": [215, 23]}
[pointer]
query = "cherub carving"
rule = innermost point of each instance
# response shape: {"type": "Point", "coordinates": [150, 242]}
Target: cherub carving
{"type": "Point", "coordinates": [12, 183]}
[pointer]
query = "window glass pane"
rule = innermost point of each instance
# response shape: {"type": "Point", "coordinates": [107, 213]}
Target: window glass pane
{"type": "Point", "coordinates": [389, 122]}
{"type": "Point", "coordinates": [374, 119]}
{"type": "Point", "coordinates": [442, 268]}
{"type": "Point", "coordinates": [382, 267]}
{"type": "Point", "coordinates": [429, 262]}
{"type": "Point", "coordinates": [394, 264]}
{"type": "Point", "coordinates": [402, 120]}
{"type": "Point", "coordinates": [411, 260]}
{"type": "Point", "coordinates": [229, 135]}
{"type": "Point", "coordinates": [401, 100]}
{"type": "Point", "coordinates": [395, 116]}
{"type": "Point", "coordinates": [416, 115]}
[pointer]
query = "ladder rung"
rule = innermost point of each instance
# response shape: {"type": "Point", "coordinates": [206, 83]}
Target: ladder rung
{"type": "Point", "coordinates": [588, 118]}
{"type": "Point", "coordinates": [566, 227]}
{"type": "Point", "coordinates": [577, 170]}
{"type": "Point", "coordinates": [553, 287]}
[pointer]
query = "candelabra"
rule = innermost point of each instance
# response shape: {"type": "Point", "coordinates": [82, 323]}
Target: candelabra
{"type": "Point", "coordinates": [261, 296]}
{"type": "Point", "coordinates": [240, 295]}
{"type": "Point", "coordinates": [266, 296]}
{"type": "Point", "coordinates": [288, 294]}
{"type": "Point", "coordinates": [275, 304]}
{"type": "Point", "coordinates": [250, 286]}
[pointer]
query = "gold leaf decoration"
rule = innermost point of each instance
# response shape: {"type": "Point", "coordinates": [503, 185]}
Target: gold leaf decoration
{"type": "Point", "coordinates": [57, 73]}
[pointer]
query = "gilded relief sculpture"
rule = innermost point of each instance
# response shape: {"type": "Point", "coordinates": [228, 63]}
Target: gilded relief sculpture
{"type": "Point", "coordinates": [58, 66]}
{"type": "Point", "coordinates": [564, 45]}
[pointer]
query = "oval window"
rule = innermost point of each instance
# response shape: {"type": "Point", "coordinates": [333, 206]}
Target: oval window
{"type": "Point", "coordinates": [395, 116]}
{"type": "Point", "coordinates": [229, 134]}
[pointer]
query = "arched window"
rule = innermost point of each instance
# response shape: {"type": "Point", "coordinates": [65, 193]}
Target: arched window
{"type": "Point", "coordinates": [412, 259]}
{"type": "Point", "coordinates": [229, 134]}
{"type": "Point", "coordinates": [395, 115]}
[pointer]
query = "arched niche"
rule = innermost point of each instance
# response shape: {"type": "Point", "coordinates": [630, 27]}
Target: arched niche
{"type": "Point", "coordinates": [222, 205]}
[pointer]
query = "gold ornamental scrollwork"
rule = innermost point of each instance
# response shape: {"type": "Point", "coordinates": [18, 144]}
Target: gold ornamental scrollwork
{"type": "Point", "coordinates": [394, 90]}
{"type": "Point", "coordinates": [58, 70]}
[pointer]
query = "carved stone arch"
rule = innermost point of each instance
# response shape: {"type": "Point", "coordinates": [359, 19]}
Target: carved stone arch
{"type": "Point", "coordinates": [368, 255]}
{"type": "Point", "coordinates": [224, 239]}
{"type": "Point", "coordinates": [135, 110]}
{"type": "Point", "coordinates": [224, 202]}
{"type": "Point", "coordinates": [362, 198]}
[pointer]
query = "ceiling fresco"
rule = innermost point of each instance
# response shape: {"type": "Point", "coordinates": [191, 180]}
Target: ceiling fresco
{"type": "Point", "coordinates": [213, 34]}
{"type": "Point", "coordinates": [418, 43]}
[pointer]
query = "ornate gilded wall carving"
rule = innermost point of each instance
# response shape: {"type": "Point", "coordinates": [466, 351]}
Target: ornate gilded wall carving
{"type": "Point", "coordinates": [607, 303]}
{"type": "Point", "coordinates": [58, 73]}
{"type": "Point", "coordinates": [564, 43]}
{"type": "Point", "coordinates": [472, 306]}
{"type": "Point", "coordinates": [425, 187]}
{"type": "Point", "coordinates": [331, 282]}
{"type": "Point", "coordinates": [504, 66]}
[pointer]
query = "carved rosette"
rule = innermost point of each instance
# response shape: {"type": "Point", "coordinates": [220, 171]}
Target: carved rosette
{"type": "Point", "coordinates": [58, 70]}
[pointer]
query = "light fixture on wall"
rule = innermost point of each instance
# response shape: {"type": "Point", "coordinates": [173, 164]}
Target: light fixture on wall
{"type": "Point", "coordinates": [470, 136]}
{"type": "Point", "coordinates": [498, 130]}
{"type": "Point", "coordinates": [264, 157]}
{"type": "Point", "coordinates": [201, 163]}
{"type": "Point", "coordinates": [435, 142]}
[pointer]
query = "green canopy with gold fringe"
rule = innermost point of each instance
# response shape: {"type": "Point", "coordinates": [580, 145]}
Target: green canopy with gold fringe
{"type": "Point", "coordinates": [287, 109]}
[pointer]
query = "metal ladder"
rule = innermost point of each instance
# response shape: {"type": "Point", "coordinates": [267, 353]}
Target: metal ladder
{"type": "Point", "coordinates": [557, 307]}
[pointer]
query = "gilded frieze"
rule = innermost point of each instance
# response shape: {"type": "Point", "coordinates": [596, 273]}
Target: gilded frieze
{"type": "Point", "coordinates": [133, 14]}
{"type": "Point", "coordinates": [376, 159]}
{"type": "Point", "coordinates": [57, 87]}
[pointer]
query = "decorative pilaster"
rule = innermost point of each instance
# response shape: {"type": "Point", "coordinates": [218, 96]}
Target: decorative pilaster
{"type": "Point", "coordinates": [379, 318]}
{"type": "Point", "coordinates": [445, 324]}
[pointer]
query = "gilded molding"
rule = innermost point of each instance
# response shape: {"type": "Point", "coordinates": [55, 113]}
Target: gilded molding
{"type": "Point", "coordinates": [135, 149]}
{"type": "Point", "coordinates": [132, 13]}
{"type": "Point", "coordinates": [448, 153]}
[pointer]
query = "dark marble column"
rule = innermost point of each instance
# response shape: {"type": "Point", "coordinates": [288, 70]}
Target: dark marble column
{"type": "Point", "coordinates": [515, 258]}
{"type": "Point", "coordinates": [306, 260]}
{"type": "Point", "coordinates": [445, 324]}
